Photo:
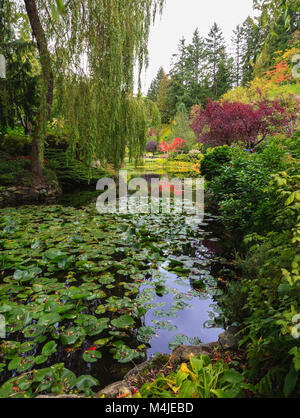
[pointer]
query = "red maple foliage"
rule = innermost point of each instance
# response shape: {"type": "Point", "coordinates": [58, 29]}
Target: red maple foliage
{"type": "Point", "coordinates": [226, 123]}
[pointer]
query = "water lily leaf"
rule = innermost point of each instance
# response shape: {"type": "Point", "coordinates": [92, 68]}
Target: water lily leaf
{"type": "Point", "coordinates": [92, 356]}
{"type": "Point", "coordinates": [85, 383]}
{"type": "Point", "coordinates": [48, 319]}
{"type": "Point", "coordinates": [175, 263]}
{"type": "Point", "coordinates": [71, 335]}
{"type": "Point", "coordinates": [33, 331]}
{"type": "Point", "coordinates": [54, 254]}
{"type": "Point", "coordinates": [179, 339]}
{"type": "Point", "coordinates": [98, 327]}
{"type": "Point", "coordinates": [125, 354]}
{"type": "Point", "coordinates": [27, 275]}
{"type": "Point", "coordinates": [123, 321]}
{"type": "Point", "coordinates": [21, 364]}
{"type": "Point", "coordinates": [40, 359]}
{"type": "Point", "coordinates": [102, 342]}
{"type": "Point", "coordinates": [49, 348]}
{"type": "Point", "coordinates": [145, 334]}
{"type": "Point", "coordinates": [76, 293]}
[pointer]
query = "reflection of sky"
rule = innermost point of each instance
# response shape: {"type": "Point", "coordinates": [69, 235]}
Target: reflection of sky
{"type": "Point", "coordinates": [189, 322]}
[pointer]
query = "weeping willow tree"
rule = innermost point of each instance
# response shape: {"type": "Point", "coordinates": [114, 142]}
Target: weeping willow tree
{"type": "Point", "coordinates": [88, 50]}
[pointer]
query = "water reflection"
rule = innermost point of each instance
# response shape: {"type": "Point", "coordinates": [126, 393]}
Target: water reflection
{"type": "Point", "coordinates": [189, 322]}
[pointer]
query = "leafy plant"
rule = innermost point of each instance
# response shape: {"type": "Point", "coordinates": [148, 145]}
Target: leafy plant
{"type": "Point", "coordinates": [199, 379]}
{"type": "Point", "coordinates": [214, 161]}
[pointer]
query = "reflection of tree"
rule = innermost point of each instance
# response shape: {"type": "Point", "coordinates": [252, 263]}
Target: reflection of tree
{"type": "Point", "coordinates": [149, 177]}
{"type": "Point", "coordinates": [213, 247]}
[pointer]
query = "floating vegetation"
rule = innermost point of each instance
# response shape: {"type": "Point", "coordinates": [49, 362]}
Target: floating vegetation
{"type": "Point", "coordinates": [76, 287]}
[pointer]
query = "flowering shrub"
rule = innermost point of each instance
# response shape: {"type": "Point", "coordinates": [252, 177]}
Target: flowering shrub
{"type": "Point", "coordinates": [152, 132]}
{"type": "Point", "coordinates": [226, 123]}
{"type": "Point", "coordinates": [151, 146]}
{"type": "Point", "coordinates": [194, 153]}
{"type": "Point", "coordinates": [178, 144]}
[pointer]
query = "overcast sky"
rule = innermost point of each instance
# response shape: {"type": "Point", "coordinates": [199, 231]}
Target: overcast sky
{"type": "Point", "coordinates": [180, 18]}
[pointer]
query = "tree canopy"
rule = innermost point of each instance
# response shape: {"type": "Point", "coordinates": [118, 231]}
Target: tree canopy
{"type": "Point", "coordinates": [87, 53]}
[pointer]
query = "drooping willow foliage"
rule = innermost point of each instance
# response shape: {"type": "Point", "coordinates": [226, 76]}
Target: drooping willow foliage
{"type": "Point", "coordinates": [94, 45]}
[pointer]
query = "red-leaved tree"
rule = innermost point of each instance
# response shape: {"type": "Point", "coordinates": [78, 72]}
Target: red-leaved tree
{"type": "Point", "coordinates": [226, 123]}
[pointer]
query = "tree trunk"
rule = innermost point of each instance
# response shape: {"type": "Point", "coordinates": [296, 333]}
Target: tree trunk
{"type": "Point", "coordinates": [36, 152]}
{"type": "Point", "coordinates": [46, 94]}
{"type": "Point", "coordinates": [27, 128]}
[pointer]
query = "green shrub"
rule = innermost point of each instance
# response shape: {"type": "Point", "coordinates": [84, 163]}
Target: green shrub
{"type": "Point", "coordinates": [56, 141]}
{"type": "Point", "coordinates": [191, 157]}
{"type": "Point", "coordinates": [233, 301]}
{"type": "Point", "coordinates": [293, 144]}
{"type": "Point", "coordinates": [273, 153]}
{"type": "Point", "coordinates": [273, 298]}
{"type": "Point", "coordinates": [246, 204]}
{"type": "Point", "coordinates": [13, 172]}
{"type": "Point", "coordinates": [15, 144]}
{"type": "Point", "coordinates": [181, 157]}
{"type": "Point", "coordinates": [258, 196]}
{"type": "Point", "coordinates": [213, 162]}
{"type": "Point", "coordinates": [71, 172]}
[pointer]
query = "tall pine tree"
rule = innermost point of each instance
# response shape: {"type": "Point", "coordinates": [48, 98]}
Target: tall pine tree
{"type": "Point", "coordinates": [237, 41]}
{"type": "Point", "coordinates": [154, 86]}
{"type": "Point", "coordinates": [215, 47]}
{"type": "Point", "coordinates": [161, 101]}
{"type": "Point", "coordinates": [251, 46]}
{"type": "Point", "coordinates": [196, 70]}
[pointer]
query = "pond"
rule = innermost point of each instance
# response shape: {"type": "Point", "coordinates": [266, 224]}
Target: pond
{"type": "Point", "coordinates": [188, 326]}
{"type": "Point", "coordinates": [101, 292]}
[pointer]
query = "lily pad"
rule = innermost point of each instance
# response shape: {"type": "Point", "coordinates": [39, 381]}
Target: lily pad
{"type": "Point", "coordinates": [123, 321]}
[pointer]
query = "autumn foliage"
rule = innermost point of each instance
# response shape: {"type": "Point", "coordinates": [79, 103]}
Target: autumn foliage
{"type": "Point", "coordinates": [279, 73]}
{"type": "Point", "coordinates": [226, 123]}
